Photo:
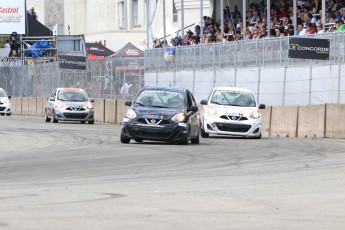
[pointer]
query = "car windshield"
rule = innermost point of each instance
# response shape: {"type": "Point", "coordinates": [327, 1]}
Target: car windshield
{"type": "Point", "coordinates": [233, 98]}
{"type": "Point", "coordinates": [2, 93]}
{"type": "Point", "coordinates": [72, 96]}
{"type": "Point", "coordinates": [161, 99]}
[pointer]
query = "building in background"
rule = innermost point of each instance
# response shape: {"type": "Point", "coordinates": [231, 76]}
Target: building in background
{"type": "Point", "coordinates": [117, 22]}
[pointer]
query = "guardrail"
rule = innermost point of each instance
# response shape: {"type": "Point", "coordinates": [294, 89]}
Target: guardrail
{"type": "Point", "coordinates": [313, 121]}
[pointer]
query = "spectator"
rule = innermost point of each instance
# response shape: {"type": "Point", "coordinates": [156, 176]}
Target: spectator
{"type": "Point", "coordinates": [310, 28]}
{"type": "Point", "coordinates": [301, 30]}
{"type": "Point", "coordinates": [158, 44]}
{"type": "Point", "coordinates": [15, 44]}
{"type": "Point", "coordinates": [319, 28]}
{"type": "Point", "coordinates": [340, 25]}
{"type": "Point", "coordinates": [235, 13]}
{"type": "Point", "coordinates": [32, 13]}
{"type": "Point", "coordinates": [125, 89]}
{"type": "Point", "coordinates": [7, 44]}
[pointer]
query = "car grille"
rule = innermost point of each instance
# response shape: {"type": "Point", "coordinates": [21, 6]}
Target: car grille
{"type": "Point", "coordinates": [233, 127]}
{"type": "Point", "coordinates": [154, 135]}
{"type": "Point", "coordinates": [2, 108]}
{"type": "Point", "coordinates": [234, 118]}
{"type": "Point", "coordinates": [152, 121]}
{"type": "Point", "coordinates": [75, 115]}
{"type": "Point", "coordinates": [75, 109]}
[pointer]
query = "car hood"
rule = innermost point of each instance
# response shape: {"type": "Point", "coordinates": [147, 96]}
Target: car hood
{"type": "Point", "coordinates": [75, 104]}
{"type": "Point", "coordinates": [229, 110]}
{"type": "Point", "coordinates": [162, 112]}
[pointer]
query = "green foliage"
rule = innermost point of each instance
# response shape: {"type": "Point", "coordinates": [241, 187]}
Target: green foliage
{"type": "Point", "coordinates": [3, 41]}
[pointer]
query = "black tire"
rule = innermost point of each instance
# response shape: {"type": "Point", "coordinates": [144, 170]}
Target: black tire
{"type": "Point", "coordinates": [54, 119]}
{"type": "Point", "coordinates": [91, 122]}
{"type": "Point", "coordinates": [139, 140]}
{"type": "Point", "coordinates": [83, 122]}
{"type": "Point", "coordinates": [124, 139]}
{"type": "Point", "coordinates": [8, 114]}
{"type": "Point", "coordinates": [195, 140]}
{"type": "Point", "coordinates": [202, 132]}
{"type": "Point", "coordinates": [2, 114]}
{"type": "Point", "coordinates": [47, 119]}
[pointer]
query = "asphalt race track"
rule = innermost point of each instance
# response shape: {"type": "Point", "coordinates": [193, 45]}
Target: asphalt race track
{"type": "Point", "coordinates": [79, 176]}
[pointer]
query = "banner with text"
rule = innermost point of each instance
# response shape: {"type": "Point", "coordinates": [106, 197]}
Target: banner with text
{"type": "Point", "coordinates": [12, 16]}
{"type": "Point", "coordinates": [309, 48]}
{"type": "Point", "coordinates": [72, 62]}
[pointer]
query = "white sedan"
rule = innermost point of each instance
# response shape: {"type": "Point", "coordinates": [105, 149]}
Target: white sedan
{"type": "Point", "coordinates": [231, 111]}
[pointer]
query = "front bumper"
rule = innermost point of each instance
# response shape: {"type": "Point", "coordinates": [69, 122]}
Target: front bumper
{"type": "Point", "coordinates": [172, 132]}
{"type": "Point", "coordinates": [247, 128]}
{"type": "Point", "coordinates": [68, 115]}
{"type": "Point", "coordinates": [5, 109]}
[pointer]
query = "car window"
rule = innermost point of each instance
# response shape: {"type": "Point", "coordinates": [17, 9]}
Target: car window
{"type": "Point", "coordinates": [3, 93]}
{"type": "Point", "coordinates": [161, 98]}
{"type": "Point", "coordinates": [191, 100]}
{"type": "Point", "coordinates": [72, 96]}
{"type": "Point", "coordinates": [233, 98]}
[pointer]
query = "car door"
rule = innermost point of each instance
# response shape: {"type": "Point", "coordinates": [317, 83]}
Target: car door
{"type": "Point", "coordinates": [194, 116]}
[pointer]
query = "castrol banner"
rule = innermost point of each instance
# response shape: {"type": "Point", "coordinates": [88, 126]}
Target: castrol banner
{"type": "Point", "coordinates": [12, 16]}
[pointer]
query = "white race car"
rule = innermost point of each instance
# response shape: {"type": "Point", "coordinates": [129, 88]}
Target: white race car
{"type": "Point", "coordinates": [231, 111]}
{"type": "Point", "coordinates": [5, 103]}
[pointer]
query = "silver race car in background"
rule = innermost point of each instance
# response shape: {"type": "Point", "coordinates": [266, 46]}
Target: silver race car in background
{"type": "Point", "coordinates": [69, 104]}
{"type": "Point", "coordinates": [5, 103]}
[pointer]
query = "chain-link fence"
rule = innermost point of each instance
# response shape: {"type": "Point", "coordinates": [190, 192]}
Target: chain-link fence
{"type": "Point", "coordinates": [102, 79]}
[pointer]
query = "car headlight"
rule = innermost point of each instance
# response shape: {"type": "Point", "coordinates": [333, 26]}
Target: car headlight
{"type": "Point", "coordinates": [130, 114]}
{"type": "Point", "coordinates": [179, 117]}
{"type": "Point", "coordinates": [60, 105]}
{"type": "Point", "coordinates": [255, 114]}
{"type": "Point", "coordinates": [212, 111]}
{"type": "Point", "coordinates": [7, 101]}
{"type": "Point", "coordinates": [89, 105]}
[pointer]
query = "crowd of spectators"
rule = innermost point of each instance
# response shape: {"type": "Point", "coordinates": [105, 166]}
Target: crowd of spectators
{"type": "Point", "coordinates": [309, 21]}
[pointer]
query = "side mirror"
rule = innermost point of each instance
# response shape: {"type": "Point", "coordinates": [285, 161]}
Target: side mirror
{"type": "Point", "coordinates": [128, 103]}
{"type": "Point", "coordinates": [9, 97]}
{"type": "Point", "coordinates": [92, 100]}
{"type": "Point", "coordinates": [194, 108]}
{"type": "Point", "coordinates": [262, 106]}
{"type": "Point", "coordinates": [203, 102]}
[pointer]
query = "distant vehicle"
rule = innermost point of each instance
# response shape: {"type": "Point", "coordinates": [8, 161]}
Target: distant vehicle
{"type": "Point", "coordinates": [5, 103]}
{"type": "Point", "coordinates": [231, 111]}
{"type": "Point", "coordinates": [69, 104]}
{"type": "Point", "coordinates": [160, 113]}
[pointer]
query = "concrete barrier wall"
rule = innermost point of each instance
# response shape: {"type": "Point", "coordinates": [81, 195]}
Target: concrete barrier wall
{"type": "Point", "coordinates": [120, 111]}
{"type": "Point", "coordinates": [266, 121]}
{"type": "Point", "coordinates": [110, 111]}
{"type": "Point", "coordinates": [16, 105]}
{"type": "Point", "coordinates": [25, 106]}
{"type": "Point", "coordinates": [99, 107]}
{"type": "Point", "coordinates": [335, 125]}
{"type": "Point", "coordinates": [311, 121]}
{"type": "Point", "coordinates": [32, 106]}
{"type": "Point", "coordinates": [41, 104]}
{"type": "Point", "coordinates": [284, 121]}
{"type": "Point", "coordinates": [314, 121]}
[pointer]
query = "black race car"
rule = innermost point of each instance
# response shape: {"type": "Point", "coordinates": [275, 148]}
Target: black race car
{"type": "Point", "coordinates": [161, 113]}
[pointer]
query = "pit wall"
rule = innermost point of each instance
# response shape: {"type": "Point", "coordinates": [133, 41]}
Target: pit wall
{"type": "Point", "coordinates": [313, 121]}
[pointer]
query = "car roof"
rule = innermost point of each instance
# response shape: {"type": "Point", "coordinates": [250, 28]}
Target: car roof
{"type": "Point", "coordinates": [166, 88]}
{"type": "Point", "coordinates": [70, 89]}
{"type": "Point", "coordinates": [232, 89]}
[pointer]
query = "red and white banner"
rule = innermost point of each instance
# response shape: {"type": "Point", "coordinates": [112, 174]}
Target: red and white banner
{"type": "Point", "coordinates": [12, 16]}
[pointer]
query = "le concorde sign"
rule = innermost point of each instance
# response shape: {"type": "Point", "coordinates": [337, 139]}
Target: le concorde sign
{"type": "Point", "coordinates": [309, 48]}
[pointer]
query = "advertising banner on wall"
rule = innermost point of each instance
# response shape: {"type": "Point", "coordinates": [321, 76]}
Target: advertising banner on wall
{"type": "Point", "coordinates": [309, 48]}
{"type": "Point", "coordinates": [72, 62]}
{"type": "Point", "coordinates": [12, 16]}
